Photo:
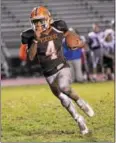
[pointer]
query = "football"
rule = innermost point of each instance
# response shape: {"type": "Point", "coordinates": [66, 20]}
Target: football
{"type": "Point", "coordinates": [73, 41]}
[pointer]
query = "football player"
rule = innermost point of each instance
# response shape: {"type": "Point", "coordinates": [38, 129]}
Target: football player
{"type": "Point", "coordinates": [96, 52]}
{"type": "Point", "coordinates": [44, 41]}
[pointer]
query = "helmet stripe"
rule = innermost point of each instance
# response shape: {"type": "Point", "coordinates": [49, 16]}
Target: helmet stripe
{"type": "Point", "coordinates": [36, 11]}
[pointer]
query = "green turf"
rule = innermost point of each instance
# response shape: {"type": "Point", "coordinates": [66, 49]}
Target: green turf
{"type": "Point", "coordinates": [33, 114]}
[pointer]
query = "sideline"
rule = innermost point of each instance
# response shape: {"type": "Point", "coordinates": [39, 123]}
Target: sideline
{"type": "Point", "coordinates": [23, 81]}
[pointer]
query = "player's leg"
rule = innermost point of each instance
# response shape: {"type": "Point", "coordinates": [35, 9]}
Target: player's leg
{"type": "Point", "coordinates": [64, 81]}
{"type": "Point", "coordinates": [65, 100]}
{"type": "Point", "coordinates": [101, 62]}
{"type": "Point", "coordinates": [109, 68]}
{"type": "Point", "coordinates": [68, 104]}
{"type": "Point", "coordinates": [78, 70]}
{"type": "Point", "coordinates": [94, 61]}
{"type": "Point", "coordinates": [72, 70]}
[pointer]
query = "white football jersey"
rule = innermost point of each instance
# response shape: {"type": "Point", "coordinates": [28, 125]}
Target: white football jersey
{"type": "Point", "coordinates": [96, 39]}
{"type": "Point", "coordinates": [109, 46]}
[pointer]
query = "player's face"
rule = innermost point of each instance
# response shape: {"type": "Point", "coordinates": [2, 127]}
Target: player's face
{"type": "Point", "coordinates": [39, 24]}
{"type": "Point", "coordinates": [96, 28]}
{"type": "Point", "coordinates": [40, 18]}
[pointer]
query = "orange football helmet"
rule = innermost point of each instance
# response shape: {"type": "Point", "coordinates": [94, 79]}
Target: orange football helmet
{"type": "Point", "coordinates": [41, 15]}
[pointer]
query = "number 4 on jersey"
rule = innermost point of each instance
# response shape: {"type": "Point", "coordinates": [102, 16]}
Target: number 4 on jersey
{"type": "Point", "coordinates": [51, 51]}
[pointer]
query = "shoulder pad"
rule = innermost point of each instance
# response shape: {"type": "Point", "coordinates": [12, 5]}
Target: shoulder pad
{"type": "Point", "coordinates": [60, 25]}
{"type": "Point", "coordinates": [28, 33]}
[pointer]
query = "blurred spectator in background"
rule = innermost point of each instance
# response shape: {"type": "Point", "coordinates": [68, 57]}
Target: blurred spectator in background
{"type": "Point", "coordinates": [84, 58]}
{"type": "Point", "coordinates": [96, 52]}
{"type": "Point", "coordinates": [85, 62]}
{"type": "Point", "coordinates": [111, 28]}
{"type": "Point", "coordinates": [109, 51]}
{"type": "Point", "coordinates": [74, 59]}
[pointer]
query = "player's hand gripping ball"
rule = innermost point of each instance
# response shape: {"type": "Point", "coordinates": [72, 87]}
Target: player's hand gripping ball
{"type": "Point", "coordinates": [73, 41]}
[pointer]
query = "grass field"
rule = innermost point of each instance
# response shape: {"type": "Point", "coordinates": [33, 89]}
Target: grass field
{"type": "Point", "coordinates": [33, 114]}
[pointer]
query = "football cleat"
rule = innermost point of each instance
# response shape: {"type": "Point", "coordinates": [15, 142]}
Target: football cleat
{"type": "Point", "coordinates": [82, 125]}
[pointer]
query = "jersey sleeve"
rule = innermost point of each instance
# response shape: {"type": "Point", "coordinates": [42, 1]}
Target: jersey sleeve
{"type": "Point", "coordinates": [26, 36]}
{"type": "Point", "coordinates": [23, 52]}
{"type": "Point", "coordinates": [61, 25]}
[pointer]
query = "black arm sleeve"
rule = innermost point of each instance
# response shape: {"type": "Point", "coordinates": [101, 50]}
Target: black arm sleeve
{"type": "Point", "coordinates": [27, 38]}
{"type": "Point", "coordinates": [24, 40]}
{"type": "Point", "coordinates": [60, 25]}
